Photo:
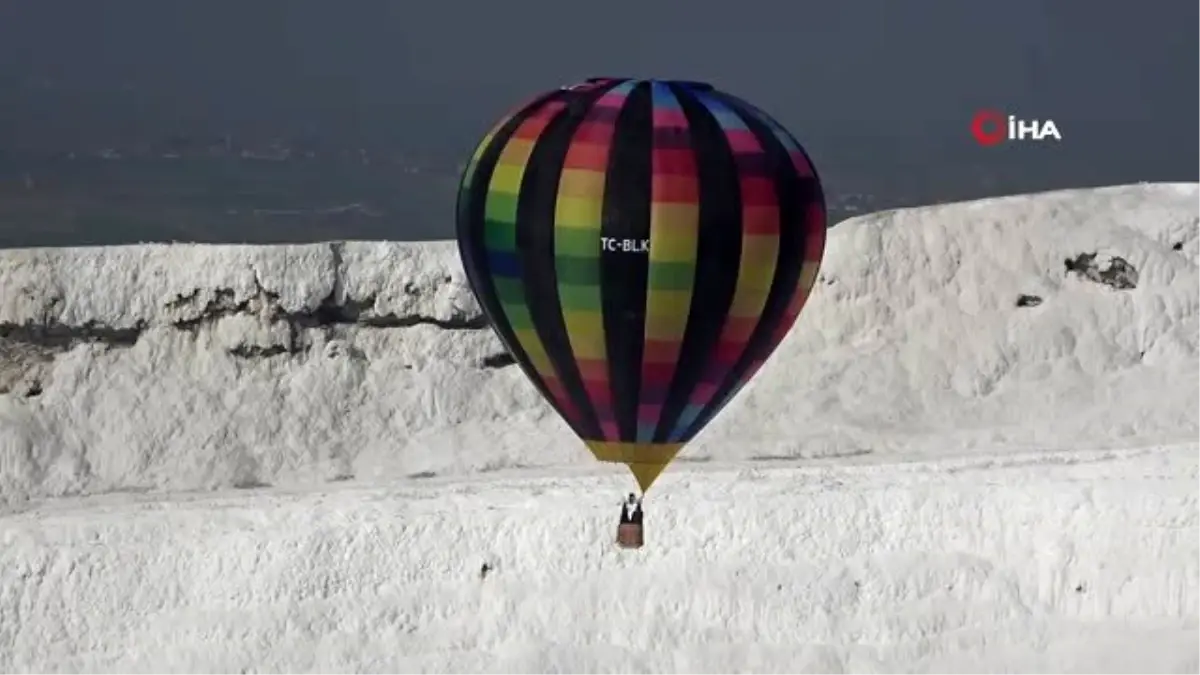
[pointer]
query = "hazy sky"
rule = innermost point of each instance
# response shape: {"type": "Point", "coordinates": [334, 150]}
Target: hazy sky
{"type": "Point", "coordinates": [433, 74]}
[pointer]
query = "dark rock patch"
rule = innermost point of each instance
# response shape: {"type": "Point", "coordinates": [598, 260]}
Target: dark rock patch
{"type": "Point", "coordinates": [61, 337]}
{"type": "Point", "coordinates": [1024, 300]}
{"type": "Point", "coordinates": [1115, 272]}
{"type": "Point", "coordinates": [501, 360]}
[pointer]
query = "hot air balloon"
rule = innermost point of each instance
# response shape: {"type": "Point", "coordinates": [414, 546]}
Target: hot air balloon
{"type": "Point", "coordinates": [641, 247]}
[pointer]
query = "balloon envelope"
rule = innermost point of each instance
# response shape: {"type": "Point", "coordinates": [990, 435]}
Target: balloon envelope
{"type": "Point", "coordinates": [641, 247]}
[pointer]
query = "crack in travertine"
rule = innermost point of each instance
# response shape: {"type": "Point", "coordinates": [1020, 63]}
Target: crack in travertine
{"type": "Point", "coordinates": [28, 347]}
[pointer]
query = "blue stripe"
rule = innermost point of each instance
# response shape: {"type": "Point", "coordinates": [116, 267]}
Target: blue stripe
{"type": "Point", "coordinates": [727, 118]}
{"type": "Point", "coordinates": [504, 264]}
{"type": "Point", "coordinates": [645, 432]}
{"type": "Point", "coordinates": [689, 415]}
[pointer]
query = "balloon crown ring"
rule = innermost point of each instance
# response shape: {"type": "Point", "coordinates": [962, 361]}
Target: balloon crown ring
{"type": "Point", "coordinates": [694, 85]}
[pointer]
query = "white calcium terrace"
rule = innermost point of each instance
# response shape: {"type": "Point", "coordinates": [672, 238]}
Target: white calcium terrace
{"type": "Point", "coordinates": [965, 457]}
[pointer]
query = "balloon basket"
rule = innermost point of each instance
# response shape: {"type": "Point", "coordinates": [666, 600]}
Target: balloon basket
{"type": "Point", "coordinates": [630, 535]}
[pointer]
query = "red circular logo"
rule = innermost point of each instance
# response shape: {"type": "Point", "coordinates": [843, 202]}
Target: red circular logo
{"type": "Point", "coordinates": [989, 127]}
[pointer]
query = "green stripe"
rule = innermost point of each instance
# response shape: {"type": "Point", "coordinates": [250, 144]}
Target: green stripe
{"type": "Point", "coordinates": [509, 291]}
{"type": "Point", "coordinates": [574, 242]}
{"type": "Point", "coordinates": [518, 316]}
{"type": "Point", "coordinates": [577, 271]}
{"type": "Point", "coordinates": [578, 298]}
{"type": "Point", "coordinates": [501, 206]}
{"type": "Point", "coordinates": [671, 276]}
{"type": "Point", "coordinates": [499, 235]}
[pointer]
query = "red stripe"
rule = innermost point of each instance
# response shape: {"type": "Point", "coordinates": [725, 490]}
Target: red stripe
{"type": "Point", "coordinates": [789, 317]}
{"type": "Point", "coordinates": [674, 161]}
{"type": "Point", "coordinates": [556, 390]}
{"type": "Point", "coordinates": [593, 132]}
{"type": "Point", "coordinates": [660, 351]}
{"type": "Point", "coordinates": [739, 328]}
{"type": "Point", "coordinates": [657, 373]}
{"type": "Point", "coordinates": [592, 369]}
{"type": "Point", "coordinates": [674, 189]}
{"type": "Point", "coordinates": [590, 156]}
{"type": "Point", "coordinates": [569, 412]}
{"type": "Point", "coordinates": [760, 220]}
{"type": "Point", "coordinates": [534, 125]}
{"type": "Point", "coordinates": [758, 191]}
{"type": "Point", "coordinates": [598, 393]}
{"type": "Point", "coordinates": [727, 352]}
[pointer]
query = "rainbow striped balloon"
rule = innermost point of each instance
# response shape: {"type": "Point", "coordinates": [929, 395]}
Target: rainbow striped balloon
{"type": "Point", "coordinates": [641, 247]}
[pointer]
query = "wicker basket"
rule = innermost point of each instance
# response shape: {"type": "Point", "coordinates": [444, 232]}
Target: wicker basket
{"type": "Point", "coordinates": [630, 535]}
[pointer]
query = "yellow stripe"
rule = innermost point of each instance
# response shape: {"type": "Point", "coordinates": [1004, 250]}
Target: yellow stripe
{"type": "Point", "coordinates": [757, 252]}
{"type": "Point", "coordinates": [627, 453]}
{"type": "Point", "coordinates": [586, 332]}
{"type": "Point", "coordinates": [469, 173]}
{"type": "Point", "coordinates": [579, 212]}
{"type": "Point", "coordinates": [646, 461]}
{"type": "Point", "coordinates": [517, 151]}
{"type": "Point", "coordinates": [535, 351]}
{"type": "Point", "coordinates": [808, 273]}
{"type": "Point", "coordinates": [581, 183]}
{"type": "Point", "coordinates": [673, 232]}
{"type": "Point", "coordinates": [755, 273]}
{"type": "Point", "coordinates": [507, 178]}
{"type": "Point", "coordinates": [667, 314]}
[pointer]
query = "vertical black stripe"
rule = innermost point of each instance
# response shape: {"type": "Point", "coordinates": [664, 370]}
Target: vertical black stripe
{"type": "Point", "coordinates": [717, 257]}
{"type": "Point", "coordinates": [795, 195]}
{"type": "Point", "coordinates": [535, 241]}
{"type": "Point", "coordinates": [472, 249]}
{"type": "Point", "coordinates": [626, 217]}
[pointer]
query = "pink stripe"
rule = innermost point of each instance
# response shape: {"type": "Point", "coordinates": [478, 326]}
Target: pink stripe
{"type": "Point", "coordinates": [814, 242]}
{"type": "Point", "coordinates": [609, 429]}
{"type": "Point", "coordinates": [704, 392]}
{"type": "Point", "coordinates": [649, 412]}
{"type": "Point", "coordinates": [560, 396]}
{"type": "Point", "coordinates": [670, 117]}
{"type": "Point", "coordinates": [610, 100]}
{"type": "Point", "coordinates": [803, 167]}
{"type": "Point", "coordinates": [598, 393]}
{"type": "Point", "coordinates": [742, 140]}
